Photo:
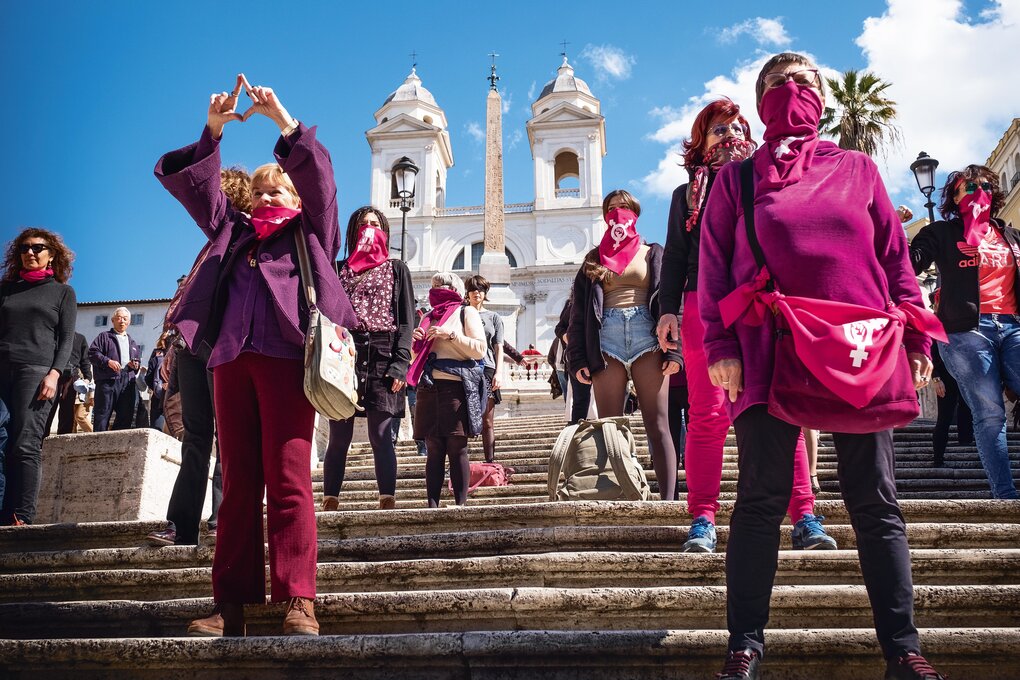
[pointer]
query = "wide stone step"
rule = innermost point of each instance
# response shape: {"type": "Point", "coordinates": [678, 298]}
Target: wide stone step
{"type": "Point", "coordinates": [508, 609]}
{"type": "Point", "coordinates": [358, 524]}
{"type": "Point", "coordinates": [479, 543]}
{"type": "Point", "coordinates": [555, 570]}
{"type": "Point", "coordinates": [835, 654]}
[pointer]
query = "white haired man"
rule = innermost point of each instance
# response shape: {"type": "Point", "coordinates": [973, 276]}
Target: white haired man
{"type": "Point", "coordinates": [115, 360]}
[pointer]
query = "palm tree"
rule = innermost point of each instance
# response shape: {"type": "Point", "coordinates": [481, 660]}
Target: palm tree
{"type": "Point", "coordinates": [863, 117]}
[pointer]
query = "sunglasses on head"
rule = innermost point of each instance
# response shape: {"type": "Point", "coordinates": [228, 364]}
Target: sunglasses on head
{"type": "Point", "coordinates": [34, 247]}
{"type": "Point", "coordinates": [720, 130]}
{"type": "Point", "coordinates": [971, 187]}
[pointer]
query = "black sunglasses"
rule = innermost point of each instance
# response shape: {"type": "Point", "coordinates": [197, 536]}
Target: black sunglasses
{"type": "Point", "coordinates": [34, 247]}
{"type": "Point", "coordinates": [973, 186]}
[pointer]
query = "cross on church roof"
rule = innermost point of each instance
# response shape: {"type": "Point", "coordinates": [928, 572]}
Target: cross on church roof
{"type": "Point", "coordinates": [564, 52]}
{"type": "Point", "coordinates": [493, 78]}
{"type": "Point", "coordinates": [414, 59]}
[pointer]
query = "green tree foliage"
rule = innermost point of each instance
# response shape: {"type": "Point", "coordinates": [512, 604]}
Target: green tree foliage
{"type": "Point", "coordinates": [863, 118]}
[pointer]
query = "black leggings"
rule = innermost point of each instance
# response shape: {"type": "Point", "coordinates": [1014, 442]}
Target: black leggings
{"type": "Point", "coordinates": [435, 468]}
{"type": "Point", "coordinates": [341, 432]}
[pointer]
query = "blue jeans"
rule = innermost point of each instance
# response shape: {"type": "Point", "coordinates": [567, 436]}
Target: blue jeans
{"type": "Point", "coordinates": [984, 361]}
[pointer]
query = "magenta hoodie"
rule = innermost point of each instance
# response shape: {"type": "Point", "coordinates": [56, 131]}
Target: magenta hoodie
{"type": "Point", "coordinates": [833, 235]}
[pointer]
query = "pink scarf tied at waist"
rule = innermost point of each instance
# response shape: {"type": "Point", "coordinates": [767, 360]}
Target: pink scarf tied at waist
{"type": "Point", "coordinates": [444, 303]}
{"type": "Point", "coordinates": [851, 349]}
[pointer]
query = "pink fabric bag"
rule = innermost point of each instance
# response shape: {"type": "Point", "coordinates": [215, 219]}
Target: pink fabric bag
{"type": "Point", "coordinates": [487, 474]}
{"type": "Point", "coordinates": [839, 367]}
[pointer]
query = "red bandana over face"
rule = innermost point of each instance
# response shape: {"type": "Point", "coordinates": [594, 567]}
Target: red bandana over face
{"type": "Point", "coordinates": [791, 114]}
{"type": "Point", "coordinates": [717, 156]}
{"type": "Point", "coordinates": [371, 251]}
{"type": "Point", "coordinates": [621, 242]}
{"type": "Point", "coordinates": [976, 213]}
{"type": "Point", "coordinates": [269, 219]}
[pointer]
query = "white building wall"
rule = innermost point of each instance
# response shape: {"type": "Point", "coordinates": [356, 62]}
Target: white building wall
{"type": "Point", "coordinates": [145, 333]}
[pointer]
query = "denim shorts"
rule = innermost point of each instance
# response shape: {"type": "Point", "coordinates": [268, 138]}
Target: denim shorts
{"type": "Point", "coordinates": [627, 333]}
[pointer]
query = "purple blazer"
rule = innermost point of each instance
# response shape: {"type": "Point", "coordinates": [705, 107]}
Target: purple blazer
{"type": "Point", "coordinates": [192, 175]}
{"type": "Point", "coordinates": [106, 347]}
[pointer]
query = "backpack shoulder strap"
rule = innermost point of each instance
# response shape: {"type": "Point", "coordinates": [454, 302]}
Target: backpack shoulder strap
{"type": "Point", "coordinates": [558, 456]}
{"type": "Point", "coordinates": [615, 438]}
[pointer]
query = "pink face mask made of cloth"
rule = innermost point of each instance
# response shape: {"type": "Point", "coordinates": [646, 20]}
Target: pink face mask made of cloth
{"type": "Point", "coordinates": [36, 275]}
{"type": "Point", "coordinates": [372, 249]}
{"type": "Point", "coordinates": [269, 219]}
{"type": "Point", "coordinates": [716, 156]}
{"type": "Point", "coordinates": [976, 213]}
{"type": "Point", "coordinates": [621, 242]}
{"type": "Point", "coordinates": [791, 114]}
{"type": "Point", "coordinates": [444, 303]}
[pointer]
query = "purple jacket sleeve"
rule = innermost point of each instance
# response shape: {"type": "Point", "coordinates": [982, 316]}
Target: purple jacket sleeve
{"type": "Point", "coordinates": [309, 166]}
{"type": "Point", "coordinates": [192, 175]}
{"type": "Point", "coordinates": [893, 254]}
{"type": "Point", "coordinates": [715, 281]}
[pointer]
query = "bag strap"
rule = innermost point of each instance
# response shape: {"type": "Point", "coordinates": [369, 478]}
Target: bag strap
{"type": "Point", "coordinates": [486, 473]}
{"type": "Point", "coordinates": [612, 433]}
{"type": "Point", "coordinates": [747, 200]}
{"type": "Point", "coordinates": [305, 267]}
{"type": "Point", "coordinates": [558, 456]}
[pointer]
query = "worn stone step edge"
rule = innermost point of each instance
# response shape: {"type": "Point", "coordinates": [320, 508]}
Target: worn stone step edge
{"type": "Point", "coordinates": [555, 569]}
{"type": "Point", "coordinates": [515, 609]}
{"type": "Point", "coordinates": [478, 542]}
{"type": "Point", "coordinates": [849, 654]}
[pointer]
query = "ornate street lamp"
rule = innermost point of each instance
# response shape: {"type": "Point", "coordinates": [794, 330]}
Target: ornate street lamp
{"type": "Point", "coordinates": [404, 174]}
{"type": "Point", "coordinates": [924, 172]}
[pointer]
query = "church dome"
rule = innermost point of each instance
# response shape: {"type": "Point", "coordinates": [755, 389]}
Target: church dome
{"type": "Point", "coordinates": [565, 81]}
{"type": "Point", "coordinates": [411, 90]}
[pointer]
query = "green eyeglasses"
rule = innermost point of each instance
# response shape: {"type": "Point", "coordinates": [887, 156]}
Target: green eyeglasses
{"type": "Point", "coordinates": [971, 187]}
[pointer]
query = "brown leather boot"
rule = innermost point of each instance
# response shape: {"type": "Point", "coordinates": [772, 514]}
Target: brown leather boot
{"type": "Point", "coordinates": [330, 503]}
{"type": "Point", "coordinates": [300, 618]}
{"type": "Point", "coordinates": [226, 620]}
{"type": "Point", "coordinates": [387, 502]}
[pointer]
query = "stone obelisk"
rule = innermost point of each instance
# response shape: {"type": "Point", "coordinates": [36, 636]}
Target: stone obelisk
{"type": "Point", "coordinates": [495, 265]}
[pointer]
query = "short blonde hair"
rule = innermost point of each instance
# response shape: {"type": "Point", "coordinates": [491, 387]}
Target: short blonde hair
{"type": "Point", "coordinates": [272, 173]}
{"type": "Point", "coordinates": [448, 280]}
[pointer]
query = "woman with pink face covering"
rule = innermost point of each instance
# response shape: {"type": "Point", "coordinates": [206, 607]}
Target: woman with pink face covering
{"type": "Point", "coordinates": [720, 134]}
{"type": "Point", "coordinates": [828, 232]}
{"type": "Point", "coordinates": [383, 299]}
{"type": "Point", "coordinates": [978, 256]}
{"type": "Point", "coordinates": [612, 330]}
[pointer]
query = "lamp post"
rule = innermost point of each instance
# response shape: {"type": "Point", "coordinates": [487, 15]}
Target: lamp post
{"type": "Point", "coordinates": [924, 172]}
{"type": "Point", "coordinates": [404, 174]}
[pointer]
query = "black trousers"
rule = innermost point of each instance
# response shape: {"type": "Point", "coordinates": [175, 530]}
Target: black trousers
{"type": "Point", "coordinates": [22, 467]}
{"type": "Point", "coordinates": [115, 397]}
{"type": "Point", "coordinates": [949, 407]}
{"type": "Point", "coordinates": [581, 394]}
{"type": "Point", "coordinates": [63, 406]}
{"type": "Point", "coordinates": [865, 467]}
{"type": "Point", "coordinates": [195, 383]}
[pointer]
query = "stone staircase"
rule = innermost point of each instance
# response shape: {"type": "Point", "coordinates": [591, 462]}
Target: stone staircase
{"type": "Point", "coordinates": [512, 586]}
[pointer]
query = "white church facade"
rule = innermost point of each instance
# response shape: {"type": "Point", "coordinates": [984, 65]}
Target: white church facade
{"type": "Point", "coordinates": [546, 239]}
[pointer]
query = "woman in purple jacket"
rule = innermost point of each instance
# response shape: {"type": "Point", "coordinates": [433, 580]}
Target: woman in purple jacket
{"type": "Point", "coordinates": [832, 234]}
{"type": "Point", "coordinates": [244, 302]}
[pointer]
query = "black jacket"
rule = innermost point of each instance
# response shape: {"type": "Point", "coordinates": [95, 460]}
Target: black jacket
{"type": "Point", "coordinates": [680, 256]}
{"type": "Point", "coordinates": [79, 358]}
{"type": "Point", "coordinates": [584, 349]}
{"type": "Point", "coordinates": [959, 297]}
{"type": "Point", "coordinates": [403, 313]}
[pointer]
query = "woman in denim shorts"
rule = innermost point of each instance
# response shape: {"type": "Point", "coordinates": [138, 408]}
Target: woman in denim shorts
{"type": "Point", "coordinates": [612, 330]}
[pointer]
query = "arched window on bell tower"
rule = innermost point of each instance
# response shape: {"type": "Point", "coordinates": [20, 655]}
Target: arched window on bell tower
{"type": "Point", "coordinates": [566, 174]}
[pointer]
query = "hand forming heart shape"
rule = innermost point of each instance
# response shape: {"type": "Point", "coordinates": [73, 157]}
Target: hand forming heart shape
{"type": "Point", "coordinates": [223, 106]}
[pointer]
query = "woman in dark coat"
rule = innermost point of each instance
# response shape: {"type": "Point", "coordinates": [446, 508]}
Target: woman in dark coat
{"type": "Point", "coordinates": [380, 291]}
{"type": "Point", "coordinates": [37, 315]}
{"type": "Point", "coordinates": [244, 301]}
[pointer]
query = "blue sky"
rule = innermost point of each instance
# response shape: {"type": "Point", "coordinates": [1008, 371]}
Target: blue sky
{"type": "Point", "coordinates": [96, 91]}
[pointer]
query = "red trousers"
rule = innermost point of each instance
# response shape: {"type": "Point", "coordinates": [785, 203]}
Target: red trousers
{"type": "Point", "coordinates": [265, 426]}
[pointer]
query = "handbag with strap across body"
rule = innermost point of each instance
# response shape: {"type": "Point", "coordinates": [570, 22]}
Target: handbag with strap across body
{"type": "Point", "coordinates": [838, 367]}
{"type": "Point", "coordinates": [331, 381]}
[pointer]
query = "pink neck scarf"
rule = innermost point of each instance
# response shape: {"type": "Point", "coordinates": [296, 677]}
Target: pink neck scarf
{"type": "Point", "coordinates": [791, 114]}
{"type": "Point", "coordinates": [444, 303]}
{"type": "Point", "coordinates": [716, 156]}
{"type": "Point", "coordinates": [372, 249]}
{"type": "Point", "coordinates": [35, 275]}
{"type": "Point", "coordinates": [976, 213]}
{"type": "Point", "coordinates": [621, 242]}
{"type": "Point", "coordinates": [269, 219]}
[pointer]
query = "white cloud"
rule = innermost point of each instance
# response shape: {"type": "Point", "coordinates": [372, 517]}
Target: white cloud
{"type": "Point", "coordinates": [531, 90]}
{"type": "Point", "coordinates": [515, 138]}
{"type": "Point", "coordinates": [507, 98]}
{"type": "Point", "coordinates": [610, 63]}
{"type": "Point", "coordinates": [475, 131]}
{"type": "Point", "coordinates": [764, 31]}
{"type": "Point", "coordinates": [953, 78]}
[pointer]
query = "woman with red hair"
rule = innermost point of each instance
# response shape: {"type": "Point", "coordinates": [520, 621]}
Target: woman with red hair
{"type": "Point", "coordinates": [719, 135]}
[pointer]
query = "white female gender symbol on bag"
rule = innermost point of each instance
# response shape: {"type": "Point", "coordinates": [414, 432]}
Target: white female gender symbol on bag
{"type": "Point", "coordinates": [861, 335]}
